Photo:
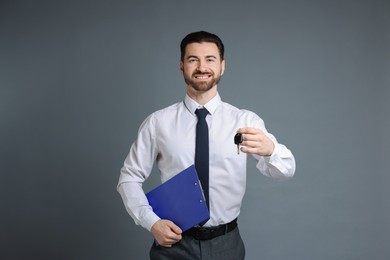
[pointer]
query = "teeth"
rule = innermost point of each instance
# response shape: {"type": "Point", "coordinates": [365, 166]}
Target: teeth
{"type": "Point", "coordinates": [202, 77]}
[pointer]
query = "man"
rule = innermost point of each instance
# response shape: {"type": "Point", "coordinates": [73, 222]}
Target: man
{"type": "Point", "coordinates": [169, 138]}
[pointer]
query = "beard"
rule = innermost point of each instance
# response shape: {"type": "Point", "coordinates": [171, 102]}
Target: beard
{"type": "Point", "coordinates": [202, 86]}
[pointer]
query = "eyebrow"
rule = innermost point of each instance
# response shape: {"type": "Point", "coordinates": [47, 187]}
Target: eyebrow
{"type": "Point", "coordinates": [211, 56]}
{"type": "Point", "coordinates": [196, 57]}
{"type": "Point", "coordinates": [192, 57]}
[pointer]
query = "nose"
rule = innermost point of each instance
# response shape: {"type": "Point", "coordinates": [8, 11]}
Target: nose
{"type": "Point", "coordinates": [201, 67]}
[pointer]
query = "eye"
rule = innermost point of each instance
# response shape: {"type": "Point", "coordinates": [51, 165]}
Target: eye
{"type": "Point", "coordinates": [192, 60]}
{"type": "Point", "coordinates": [211, 59]}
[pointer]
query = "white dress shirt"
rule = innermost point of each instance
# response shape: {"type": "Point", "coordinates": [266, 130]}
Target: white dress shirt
{"type": "Point", "coordinates": [167, 137]}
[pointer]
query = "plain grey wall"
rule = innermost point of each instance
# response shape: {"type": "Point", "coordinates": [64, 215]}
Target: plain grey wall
{"type": "Point", "coordinates": [78, 77]}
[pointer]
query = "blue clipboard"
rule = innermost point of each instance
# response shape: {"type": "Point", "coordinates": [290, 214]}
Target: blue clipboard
{"type": "Point", "coordinates": [180, 199]}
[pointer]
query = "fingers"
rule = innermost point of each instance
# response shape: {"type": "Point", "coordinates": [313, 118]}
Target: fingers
{"type": "Point", "coordinates": [168, 241]}
{"type": "Point", "coordinates": [255, 141]}
{"type": "Point", "coordinates": [166, 233]}
{"type": "Point", "coordinates": [251, 135]}
{"type": "Point", "coordinates": [173, 233]}
{"type": "Point", "coordinates": [174, 227]}
{"type": "Point", "coordinates": [250, 130]}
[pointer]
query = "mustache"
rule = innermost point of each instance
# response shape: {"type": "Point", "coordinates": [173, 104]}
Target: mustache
{"type": "Point", "coordinates": [202, 73]}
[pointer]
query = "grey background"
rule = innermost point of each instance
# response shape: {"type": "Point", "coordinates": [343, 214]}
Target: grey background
{"type": "Point", "coordinates": [78, 77]}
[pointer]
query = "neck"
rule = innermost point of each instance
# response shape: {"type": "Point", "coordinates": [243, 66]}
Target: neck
{"type": "Point", "coordinates": [202, 97]}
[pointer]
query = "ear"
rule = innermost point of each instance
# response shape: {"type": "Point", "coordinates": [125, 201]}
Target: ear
{"type": "Point", "coordinates": [181, 67]}
{"type": "Point", "coordinates": [222, 67]}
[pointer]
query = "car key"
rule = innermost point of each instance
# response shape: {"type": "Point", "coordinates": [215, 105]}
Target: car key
{"type": "Point", "coordinates": [238, 138]}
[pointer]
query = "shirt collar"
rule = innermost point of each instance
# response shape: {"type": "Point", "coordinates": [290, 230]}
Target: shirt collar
{"type": "Point", "coordinates": [211, 106]}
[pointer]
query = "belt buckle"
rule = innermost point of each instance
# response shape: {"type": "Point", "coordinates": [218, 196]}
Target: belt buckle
{"type": "Point", "coordinates": [202, 234]}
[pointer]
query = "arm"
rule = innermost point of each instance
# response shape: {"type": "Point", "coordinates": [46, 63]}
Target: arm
{"type": "Point", "coordinates": [136, 169]}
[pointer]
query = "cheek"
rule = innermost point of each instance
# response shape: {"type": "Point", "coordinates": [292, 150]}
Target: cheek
{"type": "Point", "coordinates": [188, 70]}
{"type": "Point", "coordinates": [218, 69]}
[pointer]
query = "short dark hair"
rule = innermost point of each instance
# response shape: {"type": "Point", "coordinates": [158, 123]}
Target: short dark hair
{"type": "Point", "coordinates": [200, 37]}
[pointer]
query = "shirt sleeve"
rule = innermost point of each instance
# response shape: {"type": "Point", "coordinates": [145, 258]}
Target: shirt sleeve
{"type": "Point", "coordinates": [136, 169]}
{"type": "Point", "coordinates": [280, 165]}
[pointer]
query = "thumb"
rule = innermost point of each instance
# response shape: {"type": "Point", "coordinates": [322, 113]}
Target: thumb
{"type": "Point", "coordinates": [174, 227]}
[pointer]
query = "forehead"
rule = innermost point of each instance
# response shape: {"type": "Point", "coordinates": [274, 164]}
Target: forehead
{"type": "Point", "coordinates": [202, 49]}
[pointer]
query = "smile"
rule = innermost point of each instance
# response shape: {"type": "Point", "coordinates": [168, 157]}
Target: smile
{"type": "Point", "coordinates": [202, 76]}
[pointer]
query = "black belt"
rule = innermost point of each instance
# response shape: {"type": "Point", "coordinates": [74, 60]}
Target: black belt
{"type": "Point", "coordinates": [207, 233]}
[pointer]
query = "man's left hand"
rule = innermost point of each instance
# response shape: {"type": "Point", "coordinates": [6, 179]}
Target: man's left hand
{"type": "Point", "coordinates": [255, 142]}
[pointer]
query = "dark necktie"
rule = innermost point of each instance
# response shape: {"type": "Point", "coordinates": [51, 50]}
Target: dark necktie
{"type": "Point", "coordinates": [202, 151]}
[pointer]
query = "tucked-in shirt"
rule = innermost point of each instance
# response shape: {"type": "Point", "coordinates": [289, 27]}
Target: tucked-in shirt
{"type": "Point", "coordinates": [167, 138]}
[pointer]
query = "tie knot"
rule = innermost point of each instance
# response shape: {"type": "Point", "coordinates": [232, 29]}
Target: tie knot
{"type": "Point", "coordinates": [201, 112]}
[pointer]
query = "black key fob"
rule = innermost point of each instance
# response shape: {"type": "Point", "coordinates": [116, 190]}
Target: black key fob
{"type": "Point", "coordinates": [238, 140]}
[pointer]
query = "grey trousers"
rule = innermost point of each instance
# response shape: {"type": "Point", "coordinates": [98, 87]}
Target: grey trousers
{"type": "Point", "coordinates": [225, 247]}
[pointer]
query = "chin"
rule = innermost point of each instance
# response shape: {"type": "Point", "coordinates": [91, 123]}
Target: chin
{"type": "Point", "coordinates": [203, 87]}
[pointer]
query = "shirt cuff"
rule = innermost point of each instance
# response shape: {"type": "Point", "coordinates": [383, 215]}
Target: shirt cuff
{"type": "Point", "coordinates": [274, 157]}
{"type": "Point", "coordinates": [280, 165]}
{"type": "Point", "coordinates": [149, 220]}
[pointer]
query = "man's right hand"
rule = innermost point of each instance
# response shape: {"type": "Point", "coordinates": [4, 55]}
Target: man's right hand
{"type": "Point", "coordinates": [166, 232]}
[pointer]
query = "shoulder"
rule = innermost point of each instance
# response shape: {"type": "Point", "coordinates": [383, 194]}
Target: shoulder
{"type": "Point", "coordinates": [164, 113]}
{"type": "Point", "coordinates": [239, 112]}
{"type": "Point", "coordinates": [167, 111]}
